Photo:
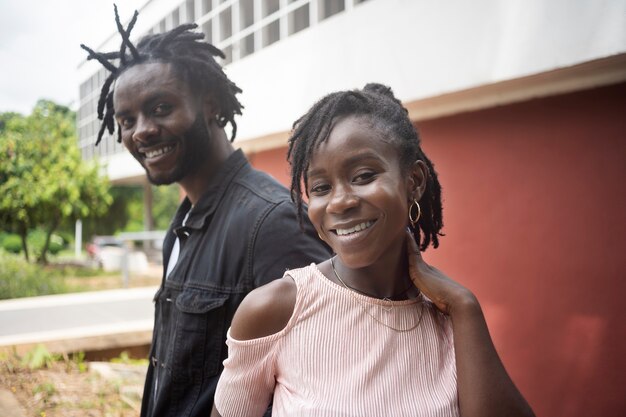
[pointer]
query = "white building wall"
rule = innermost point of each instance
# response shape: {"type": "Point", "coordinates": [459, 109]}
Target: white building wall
{"type": "Point", "coordinates": [421, 48]}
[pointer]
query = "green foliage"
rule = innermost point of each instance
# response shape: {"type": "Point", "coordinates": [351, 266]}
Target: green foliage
{"type": "Point", "coordinates": [43, 179]}
{"type": "Point", "coordinates": [11, 243]}
{"type": "Point", "coordinates": [126, 359]}
{"type": "Point", "coordinates": [37, 240]}
{"type": "Point", "coordinates": [47, 388]}
{"type": "Point", "coordinates": [18, 278]}
{"type": "Point", "coordinates": [79, 360]}
{"type": "Point", "coordinates": [116, 216]}
{"type": "Point", "coordinates": [39, 357]}
{"type": "Point", "coordinates": [126, 212]}
{"type": "Point", "coordinates": [134, 212]}
{"type": "Point", "coordinates": [166, 201]}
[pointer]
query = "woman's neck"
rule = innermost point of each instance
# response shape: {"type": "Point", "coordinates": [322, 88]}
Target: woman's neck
{"type": "Point", "coordinates": [387, 277]}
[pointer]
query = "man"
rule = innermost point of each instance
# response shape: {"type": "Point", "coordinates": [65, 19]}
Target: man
{"type": "Point", "coordinates": [236, 229]}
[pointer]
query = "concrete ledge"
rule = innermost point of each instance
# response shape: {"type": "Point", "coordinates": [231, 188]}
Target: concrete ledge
{"type": "Point", "coordinates": [92, 321]}
{"type": "Point", "coordinates": [84, 343]}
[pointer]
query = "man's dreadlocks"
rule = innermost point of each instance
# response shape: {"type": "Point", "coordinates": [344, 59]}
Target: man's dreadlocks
{"type": "Point", "coordinates": [193, 60]}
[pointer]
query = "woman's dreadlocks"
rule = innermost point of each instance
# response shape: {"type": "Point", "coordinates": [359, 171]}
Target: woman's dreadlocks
{"type": "Point", "coordinates": [192, 59]}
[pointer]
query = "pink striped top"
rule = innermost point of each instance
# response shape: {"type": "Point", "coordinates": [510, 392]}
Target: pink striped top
{"type": "Point", "coordinates": [334, 358]}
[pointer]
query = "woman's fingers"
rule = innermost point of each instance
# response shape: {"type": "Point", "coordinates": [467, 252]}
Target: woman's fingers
{"type": "Point", "coordinates": [413, 253]}
{"type": "Point", "coordinates": [434, 284]}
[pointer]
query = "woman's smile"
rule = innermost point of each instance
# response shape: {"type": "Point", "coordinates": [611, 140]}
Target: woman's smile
{"type": "Point", "coordinates": [343, 231]}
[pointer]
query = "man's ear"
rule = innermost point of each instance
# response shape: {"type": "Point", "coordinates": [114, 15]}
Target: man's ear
{"type": "Point", "coordinates": [210, 108]}
{"type": "Point", "coordinates": [416, 180]}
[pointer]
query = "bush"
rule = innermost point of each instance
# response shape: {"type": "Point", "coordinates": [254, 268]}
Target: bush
{"type": "Point", "coordinates": [56, 244]}
{"type": "Point", "coordinates": [19, 278]}
{"type": "Point", "coordinates": [12, 243]}
{"type": "Point", "coordinates": [37, 238]}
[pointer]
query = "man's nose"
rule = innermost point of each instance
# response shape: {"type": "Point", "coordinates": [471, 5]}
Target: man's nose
{"type": "Point", "coordinates": [145, 128]}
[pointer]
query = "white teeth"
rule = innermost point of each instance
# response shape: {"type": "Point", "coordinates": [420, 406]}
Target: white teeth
{"type": "Point", "coordinates": [357, 228]}
{"type": "Point", "coordinates": [157, 152]}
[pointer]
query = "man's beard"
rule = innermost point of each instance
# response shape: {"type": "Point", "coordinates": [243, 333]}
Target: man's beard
{"type": "Point", "coordinates": [196, 151]}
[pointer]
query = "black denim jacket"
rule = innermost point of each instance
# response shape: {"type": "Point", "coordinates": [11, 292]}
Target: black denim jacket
{"type": "Point", "coordinates": [242, 234]}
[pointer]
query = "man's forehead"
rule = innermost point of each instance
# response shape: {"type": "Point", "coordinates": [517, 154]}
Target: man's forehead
{"type": "Point", "coordinates": [148, 73]}
{"type": "Point", "coordinates": [144, 81]}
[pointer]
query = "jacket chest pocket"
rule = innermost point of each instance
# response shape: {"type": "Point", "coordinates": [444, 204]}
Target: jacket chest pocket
{"type": "Point", "coordinates": [198, 335]}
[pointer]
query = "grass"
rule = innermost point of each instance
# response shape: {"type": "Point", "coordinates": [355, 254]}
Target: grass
{"type": "Point", "coordinates": [19, 278]}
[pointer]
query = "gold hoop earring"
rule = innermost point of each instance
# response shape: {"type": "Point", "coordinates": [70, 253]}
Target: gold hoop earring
{"type": "Point", "coordinates": [320, 236]}
{"type": "Point", "coordinates": [417, 216]}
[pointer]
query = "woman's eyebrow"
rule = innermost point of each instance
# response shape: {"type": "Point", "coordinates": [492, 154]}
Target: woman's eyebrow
{"type": "Point", "coordinates": [352, 160]}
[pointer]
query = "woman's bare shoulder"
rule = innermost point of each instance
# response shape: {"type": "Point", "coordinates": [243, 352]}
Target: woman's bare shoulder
{"type": "Point", "coordinates": [265, 311]}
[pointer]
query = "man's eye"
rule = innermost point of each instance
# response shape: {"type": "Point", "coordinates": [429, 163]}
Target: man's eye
{"type": "Point", "coordinates": [162, 109]}
{"type": "Point", "coordinates": [127, 122]}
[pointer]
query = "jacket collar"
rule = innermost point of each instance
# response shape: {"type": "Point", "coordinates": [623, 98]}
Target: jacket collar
{"type": "Point", "coordinates": [214, 193]}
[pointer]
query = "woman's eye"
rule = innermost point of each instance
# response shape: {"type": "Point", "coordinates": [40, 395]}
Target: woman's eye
{"type": "Point", "coordinates": [364, 177]}
{"type": "Point", "coordinates": [319, 189]}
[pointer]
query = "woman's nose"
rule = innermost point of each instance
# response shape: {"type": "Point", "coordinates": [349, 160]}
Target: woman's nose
{"type": "Point", "coordinates": [342, 199]}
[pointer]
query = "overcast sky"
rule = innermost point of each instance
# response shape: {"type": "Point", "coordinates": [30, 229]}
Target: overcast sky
{"type": "Point", "coordinates": [40, 47]}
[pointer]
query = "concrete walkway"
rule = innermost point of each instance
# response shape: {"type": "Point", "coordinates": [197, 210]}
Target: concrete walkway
{"type": "Point", "coordinates": [77, 322]}
{"type": "Point", "coordinates": [81, 321]}
{"type": "Point", "coordinates": [9, 407]}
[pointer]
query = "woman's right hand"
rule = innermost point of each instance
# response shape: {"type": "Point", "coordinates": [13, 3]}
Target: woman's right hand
{"type": "Point", "coordinates": [447, 295]}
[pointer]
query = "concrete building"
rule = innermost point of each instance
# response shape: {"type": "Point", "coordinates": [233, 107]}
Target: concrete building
{"type": "Point", "coordinates": [521, 106]}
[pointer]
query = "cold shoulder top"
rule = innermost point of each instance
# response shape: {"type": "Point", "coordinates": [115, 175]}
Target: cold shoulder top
{"type": "Point", "coordinates": [339, 356]}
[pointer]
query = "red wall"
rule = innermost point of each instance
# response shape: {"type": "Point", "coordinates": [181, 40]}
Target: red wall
{"type": "Point", "coordinates": [534, 206]}
{"type": "Point", "coordinates": [274, 162]}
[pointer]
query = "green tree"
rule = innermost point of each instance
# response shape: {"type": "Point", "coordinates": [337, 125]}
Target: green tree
{"type": "Point", "coordinates": [126, 214]}
{"type": "Point", "coordinates": [43, 179]}
{"type": "Point", "coordinates": [166, 200]}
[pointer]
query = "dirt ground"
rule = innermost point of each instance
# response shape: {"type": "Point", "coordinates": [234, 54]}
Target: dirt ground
{"type": "Point", "coordinates": [71, 389]}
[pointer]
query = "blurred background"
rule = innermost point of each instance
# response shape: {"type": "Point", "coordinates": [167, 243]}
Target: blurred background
{"type": "Point", "coordinates": [520, 104]}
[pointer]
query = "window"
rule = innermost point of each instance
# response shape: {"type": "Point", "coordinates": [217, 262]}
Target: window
{"type": "Point", "coordinates": [207, 28]}
{"type": "Point", "coordinates": [175, 18]}
{"type": "Point", "coordinates": [246, 11]}
{"type": "Point", "coordinates": [270, 6]}
{"type": "Point", "coordinates": [190, 11]}
{"type": "Point", "coordinates": [271, 33]}
{"type": "Point", "coordinates": [228, 51]}
{"type": "Point", "coordinates": [226, 24]}
{"type": "Point", "coordinates": [299, 19]}
{"type": "Point", "coordinates": [246, 45]}
{"type": "Point", "coordinates": [94, 83]}
{"type": "Point", "coordinates": [331, 7]}
{"type": "Point", "coordinates": [207, 6]}
{"type": "Point", "coordinates": [83, 88]}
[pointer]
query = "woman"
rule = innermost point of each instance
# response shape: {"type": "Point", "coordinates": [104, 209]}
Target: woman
{"type": "Point", "coordinates": [373, 331]}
